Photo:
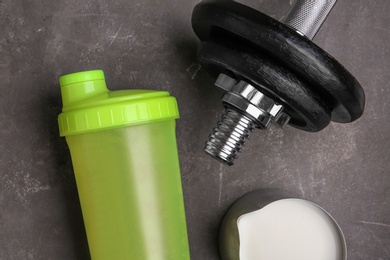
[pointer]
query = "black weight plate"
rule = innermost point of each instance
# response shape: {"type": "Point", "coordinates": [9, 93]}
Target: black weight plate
{"type": "Point", "coordinates": [305, 107]}
{"type": "Point", "coordinates": [321, 71]}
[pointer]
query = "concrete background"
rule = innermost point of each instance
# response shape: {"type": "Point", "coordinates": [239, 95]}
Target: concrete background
{"type": "Point", "coordinates": [149, 44]}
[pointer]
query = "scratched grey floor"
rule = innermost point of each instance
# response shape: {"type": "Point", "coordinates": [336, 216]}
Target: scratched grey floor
{"type": "Point", "coordinates": [150, 44]}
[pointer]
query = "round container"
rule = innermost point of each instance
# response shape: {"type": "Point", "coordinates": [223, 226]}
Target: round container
{"type": "Point", "coordinates": [124, 155]}
{"type": "Point", "coordinates": [268, 225]}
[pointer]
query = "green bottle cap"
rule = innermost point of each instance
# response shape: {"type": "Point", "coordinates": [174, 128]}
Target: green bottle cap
{"type": "Point", "coordinates": [89, 106]}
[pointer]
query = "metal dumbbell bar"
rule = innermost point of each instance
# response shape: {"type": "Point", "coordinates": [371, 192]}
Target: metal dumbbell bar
{"type": "Point", "coordinates": [271, 72]}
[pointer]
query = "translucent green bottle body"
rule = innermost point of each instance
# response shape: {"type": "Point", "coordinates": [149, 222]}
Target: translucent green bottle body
{"type": "Point", "coordinates": [129, 184]}
{"type": "Point", "coordinates": [124, 154]}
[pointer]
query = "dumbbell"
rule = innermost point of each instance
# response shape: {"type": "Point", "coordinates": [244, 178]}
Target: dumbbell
{"type": "Point", "coordinates": [271, 71]}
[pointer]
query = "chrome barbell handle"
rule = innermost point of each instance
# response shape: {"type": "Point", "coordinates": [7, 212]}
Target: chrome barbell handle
{"type": "Point", "coordinates": [307, 16]}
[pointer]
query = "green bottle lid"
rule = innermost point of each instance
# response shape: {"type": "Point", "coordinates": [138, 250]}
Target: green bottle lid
{"type": "Point", "coordinates": [89, 106]}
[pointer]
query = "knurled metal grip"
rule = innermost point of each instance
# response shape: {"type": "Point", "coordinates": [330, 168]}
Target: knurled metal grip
{"type": "Point", "coordinates": [307, 16]}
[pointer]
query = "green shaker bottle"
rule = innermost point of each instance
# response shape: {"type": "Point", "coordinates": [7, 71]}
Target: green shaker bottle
{"type": "Point", "coordinates": [124, 155]}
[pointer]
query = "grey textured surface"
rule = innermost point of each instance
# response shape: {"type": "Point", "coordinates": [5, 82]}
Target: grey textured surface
{"type": "Point", "coordinates": [150, 44]}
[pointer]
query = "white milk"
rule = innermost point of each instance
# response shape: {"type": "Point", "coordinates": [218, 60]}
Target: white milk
{"type": "Point", "coordinates": [289, 229]}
